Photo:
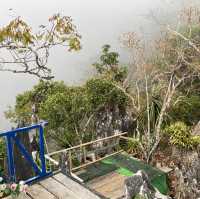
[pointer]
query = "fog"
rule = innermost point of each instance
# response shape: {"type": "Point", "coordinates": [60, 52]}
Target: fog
{"type": "Point", "coordinates": [98, 21]}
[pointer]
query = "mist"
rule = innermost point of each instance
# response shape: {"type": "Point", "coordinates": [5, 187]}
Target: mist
{"type": "Point", "coordinates": [98, 21]}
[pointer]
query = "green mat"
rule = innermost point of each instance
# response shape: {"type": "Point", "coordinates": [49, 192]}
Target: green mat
{"type": "Point", "coordinates": [124, 172]}
{"type": "Point", "coordinates": [126, 166]}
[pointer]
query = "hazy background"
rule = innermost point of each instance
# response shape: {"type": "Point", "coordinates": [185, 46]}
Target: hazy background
{"type": "Point", "coordinates": [98, 21]}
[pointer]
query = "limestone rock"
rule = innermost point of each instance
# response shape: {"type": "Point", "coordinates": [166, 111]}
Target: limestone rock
{"type": "Point", "coordinates": [188, 176]}
{"type": "Point", "coordinates": [139, 186]}
{"type": "Point", "coordinates": [196, 129]}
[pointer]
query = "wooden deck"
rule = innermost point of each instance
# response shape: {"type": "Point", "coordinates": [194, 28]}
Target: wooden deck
{"type": "Point", "coordinates": [110, 185]}
{"type": "Point", "coordinates": [58, 186]}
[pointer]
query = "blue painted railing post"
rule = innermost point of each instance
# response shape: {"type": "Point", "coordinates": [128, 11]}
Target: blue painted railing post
{"type": "Point", "coordinates": [42, 152]}
{"type": "Point", "coordinates": [10, 160]}
{"type": "Point", "coordinates": [11, 139]}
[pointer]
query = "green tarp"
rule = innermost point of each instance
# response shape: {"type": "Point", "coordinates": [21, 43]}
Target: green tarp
{"type": "Point", "coordinates": [127, 166]}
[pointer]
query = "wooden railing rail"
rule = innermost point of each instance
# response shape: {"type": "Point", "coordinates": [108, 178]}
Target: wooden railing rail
{"type": "Point", "coordinates": [82, 148]}
{"type": "Point", "coordinates": [87, 143]}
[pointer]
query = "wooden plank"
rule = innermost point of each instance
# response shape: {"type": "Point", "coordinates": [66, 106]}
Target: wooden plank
{"type": "Point", "coordinates": [36, 191]}
{"type": "Point", "coordinates": [58, 189]}
{"type": "Point", "coordinates": [115, 194]}
{"type": "Point", "coordinates": [81, 192]}
{"type": "Point", "coordinates": [102, 180]}
{"type": "Point", "coordinates": [110, 185]}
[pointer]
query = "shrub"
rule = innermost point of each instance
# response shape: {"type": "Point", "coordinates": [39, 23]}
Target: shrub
{"type": "Point", "coordinates": [195, 140]}
{"type": "Point", "coordinates": [180, 135]}
{"type": "Point", "coordinates": [131, 146]}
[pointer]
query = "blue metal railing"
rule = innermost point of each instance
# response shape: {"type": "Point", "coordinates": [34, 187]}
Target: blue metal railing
{"type": "Point", "coordinates": [11, 138]}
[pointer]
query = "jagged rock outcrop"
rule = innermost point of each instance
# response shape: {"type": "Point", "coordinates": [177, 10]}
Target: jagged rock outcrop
{"type": "Point", "coordinates": [188, 179]}
{"type": "Point", "coordinates": [188, 172]}
{"type": "Point", "coordinates": [139, 186]}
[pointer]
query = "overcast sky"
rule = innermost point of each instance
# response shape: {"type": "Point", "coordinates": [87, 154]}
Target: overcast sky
{"type": "Point", "coordinates": [98, 21]}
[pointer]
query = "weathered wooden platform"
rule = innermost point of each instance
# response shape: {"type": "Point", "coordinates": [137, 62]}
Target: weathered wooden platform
{"type": "Point", "coordinates": [58, 186]}
{"type": "Point", "coordinates": [110, 185]}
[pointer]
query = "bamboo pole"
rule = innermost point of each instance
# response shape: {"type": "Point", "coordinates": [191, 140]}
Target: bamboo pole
{"type": "Point", "coordinates": [87, 143]}
{"type": "Point", "coordinates": [126, 138]}
{"type": "Point", "coordinates": [52, 160]}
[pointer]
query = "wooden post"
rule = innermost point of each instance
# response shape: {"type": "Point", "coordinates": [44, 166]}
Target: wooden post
{"type": "Point", "coordinates": [62, 163]}
{"type": "Point", "coordinates": [70, 161]}
{"type": "Point", "coordinates": [84, 155]}
{"type": "Point", "coordinates": [90, 163]}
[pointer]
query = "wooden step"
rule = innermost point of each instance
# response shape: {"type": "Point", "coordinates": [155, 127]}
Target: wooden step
{"type": "Point", "coordinates": [80, 190]}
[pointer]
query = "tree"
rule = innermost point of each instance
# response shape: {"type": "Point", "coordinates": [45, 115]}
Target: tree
{"type": "Point", "coordinates": [77, 114]}
{"type": "Point", "coordinates": [23, 51]}
{"type": "Point", "coordinates": [174, 65]}
{"type": "Point", "coordinates": [73, 112]}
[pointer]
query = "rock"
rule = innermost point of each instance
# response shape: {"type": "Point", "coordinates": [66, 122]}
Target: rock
{"type": "Point", "coordinates": [196, 129]}
{"type": "Point", "coordinates": [139, 186]}
{"type": "Point", "coordinates": [188, 183]}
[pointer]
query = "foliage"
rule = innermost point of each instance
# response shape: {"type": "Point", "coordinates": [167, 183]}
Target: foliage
{"type": "Point", "coordinates": [102, 91]}
{"type": "Point", "coordinates": [29, 51]}
{"type": "Point", "coordinates": [25, 101]}
{"type": "Point", "coordinates": [65, 113]}
{"type": "Point", "coordinates": [73, 112]}
{"type": "Point", "coordinates": [108, 65]}
{"type": "Point", "coordinates": [155, 103]}
{"type": "Point", "coordinates": [180, 135]}
{"type": "Point", "coordinates": [186, 110]}
{"type": "Point", "coordinates": [132, 146]}
{"type": "Point", "coordinates": [66, 108]}
{"type": "Point", "coordinates": [170, 73]}
{"type": "Point", "coordinates": [195, 140]}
